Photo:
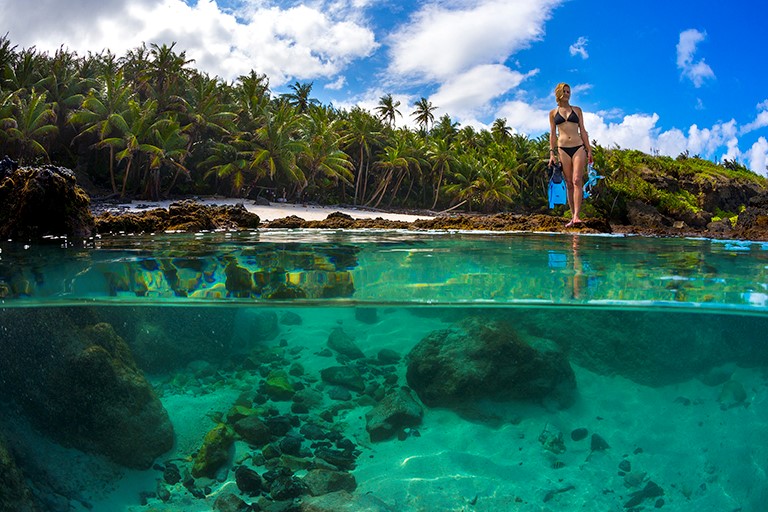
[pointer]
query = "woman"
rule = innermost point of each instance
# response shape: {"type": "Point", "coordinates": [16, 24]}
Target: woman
{"type": "Point", "coordinates": [568, 135]}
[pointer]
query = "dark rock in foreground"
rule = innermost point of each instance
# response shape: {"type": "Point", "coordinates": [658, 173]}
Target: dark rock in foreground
{"type": "Point", "coordinates": [14, 493]}
{"type": "Point", "coordinates": [42, 202]}
{"type": "Point", "coordinates": [80, 385]}
{"type": "Point", "coordinates": [478, 359]}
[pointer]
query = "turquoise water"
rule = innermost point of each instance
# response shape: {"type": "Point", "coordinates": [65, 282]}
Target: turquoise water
{"type": "Point", "coordinates": [123, 354]}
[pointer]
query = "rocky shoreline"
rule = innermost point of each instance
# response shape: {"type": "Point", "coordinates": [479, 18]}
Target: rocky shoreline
{"type": "Point", "coordinates": [39, 203]}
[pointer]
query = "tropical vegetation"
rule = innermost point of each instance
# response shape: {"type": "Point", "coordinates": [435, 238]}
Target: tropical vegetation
{"type": "Point", "coordinates": [149, 125]}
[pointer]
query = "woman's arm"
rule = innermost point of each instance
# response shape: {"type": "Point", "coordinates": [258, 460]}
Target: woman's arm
{"type": "Point", "coordinates": [584, 134]}
{"type": "Point", "coordinates": [552, 137]}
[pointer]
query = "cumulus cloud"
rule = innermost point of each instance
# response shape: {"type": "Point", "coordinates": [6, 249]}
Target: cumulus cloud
{"type": "Point", "coordinates": [444, 39]}
{"type": "Point", "coordinates": [299, 42]}
{"type": "Point", "coordinates": [758, 156]}
{"type": "Point", "coordinates": [579, 48]}
{"type": "Point", "coordinates": [469, 93]}
{"type": "Point", "coordinates": [696, 71]}
{"type": "Point", "coordinates": [760, 121]}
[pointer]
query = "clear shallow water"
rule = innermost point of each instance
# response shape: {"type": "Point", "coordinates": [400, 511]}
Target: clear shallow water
{"type": "Point", "coordinates": [666, 339]}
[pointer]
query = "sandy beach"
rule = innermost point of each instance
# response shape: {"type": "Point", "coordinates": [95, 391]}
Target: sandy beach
{"type": "Point", "coordinates": [279, 210]}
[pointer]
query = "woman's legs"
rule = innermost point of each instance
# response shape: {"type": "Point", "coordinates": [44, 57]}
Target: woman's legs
{"type": "Point", "coordinates": [573, 170]}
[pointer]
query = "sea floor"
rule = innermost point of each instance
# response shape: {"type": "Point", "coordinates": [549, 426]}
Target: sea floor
{"type": "Point", "coordinates": [675, 447]}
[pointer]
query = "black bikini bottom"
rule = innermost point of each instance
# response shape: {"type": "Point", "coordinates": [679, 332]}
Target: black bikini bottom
{"type": "Point", "coordinates": [572, 151]}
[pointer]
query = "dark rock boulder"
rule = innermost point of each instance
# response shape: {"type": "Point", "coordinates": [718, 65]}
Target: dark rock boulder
{"type": "Point", "coordinates": [14, 493]}
{"type": "Point", "coordinates": [753, 221]}
{"type": "Point", "coordinates": [396, 411]}
{"type": "Point", "coordinates": [343, 501]}
{"type": "Point", "coordinates": [481, 358]}
{"type": "Point", "coordinates": [646, 216]}
{"type": "Point", "coordinates": [344, 344]}
{"type": "Point", "coordinates": [81, 386]}
{"type": "Point", "coordinates": [344, 376]}
{"type": "Point", "coordinates": [43, 201]}
{"type": "Point", "coordinates": [188, 215]}
{"type": "Point", "coordinates": [324, 481]}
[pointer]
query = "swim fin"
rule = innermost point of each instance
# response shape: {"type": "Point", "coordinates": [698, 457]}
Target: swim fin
{"type": "Point", "coordinates": [557, 191]}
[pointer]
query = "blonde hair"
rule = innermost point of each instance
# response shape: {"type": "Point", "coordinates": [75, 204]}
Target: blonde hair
{"type": "Point", "coordinates": [559, 91]}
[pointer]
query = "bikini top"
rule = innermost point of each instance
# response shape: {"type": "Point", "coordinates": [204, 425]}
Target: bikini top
{"type": "Point", "coordinates": [572, 117]}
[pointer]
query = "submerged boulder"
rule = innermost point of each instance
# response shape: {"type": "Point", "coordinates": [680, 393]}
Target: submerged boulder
{"type": "Point", "coordinates": [43, 201]}
{"type": "Point", "coordinates": [481, 358]}
{"type": "Point", "coordinates": [80, 385]}
{"type": "Point", "coordinates": [14, 493]}
{"type": "Point", "coordinates": [396, 411]}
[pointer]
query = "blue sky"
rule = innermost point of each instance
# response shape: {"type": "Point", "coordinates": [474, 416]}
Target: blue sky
{"type": "Point", "coordinates": [658, 76]}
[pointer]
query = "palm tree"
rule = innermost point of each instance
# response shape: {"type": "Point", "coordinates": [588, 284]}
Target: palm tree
{"type": "Point", "coordinates": [102, 115]}
{"type": "Point", "coordinates": [276, 146]}
{"type": "Point", "coordinates": [442, 157]}
{"type": "Point", "coordinates": [33, 127]}
{"type": "Point", "coordinates": [299, 98]}
{"type": "Point", "coordinates": [322, 155]}
{"type": "Point", "coordinates": [228, 162]}
{"type": "Point", "coordinates": [423, 113]}
{"type": "Point", "coordinates": [387, 109]}
{"type": "Point", "coordinates": [168, 150]}
{"type": "Point", "coordinates": [493, 186]}
{"type": "Point", "coordinates": [362, 133]}
{"type": "Point", "coordinates": [501, 132]}
{"type": "Point", "coordinates": [445, 129]}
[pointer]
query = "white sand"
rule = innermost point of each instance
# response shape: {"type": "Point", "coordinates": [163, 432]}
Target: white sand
{"type": "Point", "coordinates": [281, 210]}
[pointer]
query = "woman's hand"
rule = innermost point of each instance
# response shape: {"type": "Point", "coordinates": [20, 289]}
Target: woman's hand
{"type": "Point", "coordinates": [552, 160]}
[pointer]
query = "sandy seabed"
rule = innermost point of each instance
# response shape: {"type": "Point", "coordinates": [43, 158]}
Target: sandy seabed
{"type": "Point", "coordinates": [704, 457]}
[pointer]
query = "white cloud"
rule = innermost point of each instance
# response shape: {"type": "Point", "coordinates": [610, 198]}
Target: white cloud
{"type": "Point", "coordinates": [469, 93]}
{"type": "Point", "coordinates": [525, 118]}
{"type": "Point", "coordinates": [760, 121]}
{"type": "Point", "coordinates": [758, 156]}
{"type": "Point", "coordinates": [443, 39]}
{"type": "Point", "coordinates": [300, 42]}
{"type": "Point", "coordinates": [698, 71]}
{"type": "Point", "coordinates": [337, 84]}
{"type": "Point", "coordinates": [579, 48]}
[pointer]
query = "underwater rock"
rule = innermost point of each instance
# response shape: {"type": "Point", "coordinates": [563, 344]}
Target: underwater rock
{"type": "Point", "coordinates": [579, 433]}
{"type": "Point", "coordinates": [367, 315]}
{"type": "Point", "coordinates": [248, 481]}
{"type": "Point", "coordinates": [651, 490]}
{"type": "Point", "coordinates": [551, 439]}
{"type": "Point", "coordinates": [324, 481]}
{"type": "Point", "coordinates": [344, 376]}
{"type": "Point", "coordinates": [253, 430]}
{"type": "Point", "coordinates": [485, 358]}
{"type": "Point", "coordinates": [43, 201]}
{"type": "Point", "coordinates": [395, 412]}
{"type": "Point", "coordinates": [287, 487]}
{"type": "Point", "coordinates": [252, 326]}
{"type": "Point", "coordinates": [598, 444]}
{"type": "Point", "coordinates": [732, 394]}
{"type": "Point", "coordinates": [214, 451]}
{"type": "Point", "coordinates": [228, 502]}
{"type": "Point", "coordinates": [343, 501]}
{"type": "Point", "coordinates": [388, 356]}
{"type": "Point", "coordinates": [290, 318]}
{"type": "Point", "coordinates": [344, 344]}
{"type": "Point", "coordinates": [277, 386]}
{"type": "Point", "coordinates": [14, 493]}
{"type": "Point", "coordinates": [341, 459]}
{"type": "Point", "coordinates": [81, 386]}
